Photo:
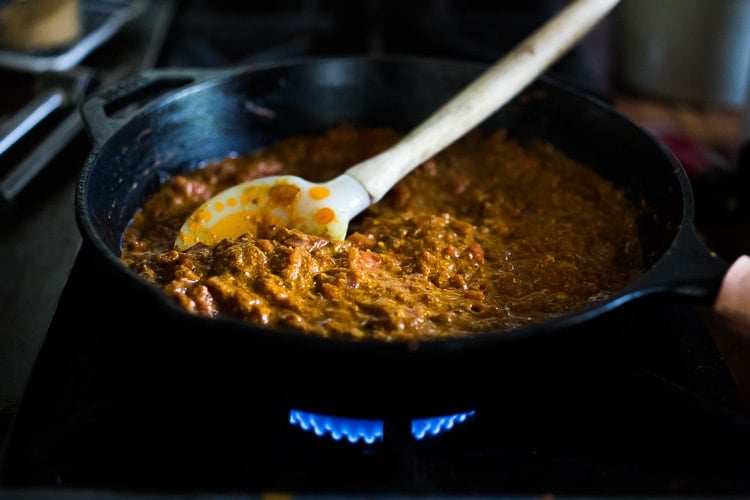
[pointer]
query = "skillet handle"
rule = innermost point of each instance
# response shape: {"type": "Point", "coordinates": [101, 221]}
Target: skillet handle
{"type": "Point", "coordinates": [106, 111]}
{"type": "Point", "coordinates": [688, 270]}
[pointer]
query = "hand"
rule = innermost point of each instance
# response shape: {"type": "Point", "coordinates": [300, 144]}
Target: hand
{"type": "Point", "coordinates": [733, 302]}
{"type": "Point", "coordinates": [729, 324]}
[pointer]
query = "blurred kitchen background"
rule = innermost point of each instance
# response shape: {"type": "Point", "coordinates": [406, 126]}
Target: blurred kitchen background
{"type": "Point", "coordinates": [680, 68]}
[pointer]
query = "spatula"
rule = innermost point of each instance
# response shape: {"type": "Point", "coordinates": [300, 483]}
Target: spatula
{"type": "Point", "coordinates": [325, 209]}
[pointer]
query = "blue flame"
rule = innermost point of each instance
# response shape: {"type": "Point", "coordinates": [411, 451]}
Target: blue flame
{"type": "Point", "coordinates": [370, 431]}
{"type": "Point", "coordinates": [338, 428]}
{"type": "Point", "coordinates": [421, 427]}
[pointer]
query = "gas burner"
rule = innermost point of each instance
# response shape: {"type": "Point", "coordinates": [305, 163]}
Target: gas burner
{"type": "Point", "coordinates": [371, 431]}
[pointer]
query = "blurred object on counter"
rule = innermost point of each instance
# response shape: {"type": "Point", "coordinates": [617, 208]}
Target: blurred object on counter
{"type": "Point", "coordinates": [707, 140]}
{"type": "Point", "coordinates": [37, 25]}
{"type": "Point", "coordinates": [42, 89]}
{"type": "Point", "coordinates": [700, 135]}
{"type": "Point", "coordinates": [697, 50]}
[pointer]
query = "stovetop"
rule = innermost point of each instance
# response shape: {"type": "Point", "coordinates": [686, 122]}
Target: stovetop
{"type": "Point", "coordinates": [111, 407]}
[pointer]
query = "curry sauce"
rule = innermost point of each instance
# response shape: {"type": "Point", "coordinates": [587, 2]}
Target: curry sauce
{"type": "Point", "coordinates": [488, 235]}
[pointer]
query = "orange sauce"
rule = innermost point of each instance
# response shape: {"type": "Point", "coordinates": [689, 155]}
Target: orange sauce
{"type": "Point", "coordinates": [488, 235]}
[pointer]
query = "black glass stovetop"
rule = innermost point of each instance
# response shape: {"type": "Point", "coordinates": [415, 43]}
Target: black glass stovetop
{"type": "Point", "coordinates": [110, 407]}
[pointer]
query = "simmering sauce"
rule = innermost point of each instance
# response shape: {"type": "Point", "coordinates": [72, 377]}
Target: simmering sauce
{"type": "Point", "coordinates": [487, 235]}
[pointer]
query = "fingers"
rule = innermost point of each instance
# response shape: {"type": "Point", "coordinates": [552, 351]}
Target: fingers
{"type": "Point", "coordinates": [733, 300]}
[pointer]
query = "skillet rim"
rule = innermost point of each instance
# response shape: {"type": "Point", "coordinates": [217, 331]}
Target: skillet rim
{"type": "Point", "coordinates": [218, 76]}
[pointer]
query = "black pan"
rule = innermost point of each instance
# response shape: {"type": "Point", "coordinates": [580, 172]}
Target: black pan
{"type": "Point", "coordinates": [167, 121]}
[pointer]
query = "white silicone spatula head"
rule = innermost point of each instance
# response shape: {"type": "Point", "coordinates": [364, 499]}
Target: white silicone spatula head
{"type": "Point", "coordinates": [323, 209]}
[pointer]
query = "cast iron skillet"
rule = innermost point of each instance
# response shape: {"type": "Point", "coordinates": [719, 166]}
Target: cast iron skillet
{"type": "Point", "coordinates": [166, 121]}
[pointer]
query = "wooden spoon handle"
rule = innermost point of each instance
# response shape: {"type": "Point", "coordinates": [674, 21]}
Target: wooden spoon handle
{"type": "Point", "coordinates": [493, 88]}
